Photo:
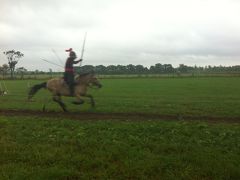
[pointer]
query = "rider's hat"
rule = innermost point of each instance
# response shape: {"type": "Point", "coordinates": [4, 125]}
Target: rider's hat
{"type": "Point", "coordinates": [71, 52]}
{"type": "Point", "coordinates": [68, 50]}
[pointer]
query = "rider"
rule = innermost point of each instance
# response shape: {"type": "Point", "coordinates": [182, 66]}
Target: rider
{"type": "Point", "coordinates": [69, 71]}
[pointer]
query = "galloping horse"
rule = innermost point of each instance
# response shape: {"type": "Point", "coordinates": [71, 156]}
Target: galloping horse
{"type": "Point", "coordinates": [58, 88]}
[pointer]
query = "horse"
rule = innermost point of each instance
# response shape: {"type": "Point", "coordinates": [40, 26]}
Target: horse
{"type": "Point", "coordinates": [58, 87]}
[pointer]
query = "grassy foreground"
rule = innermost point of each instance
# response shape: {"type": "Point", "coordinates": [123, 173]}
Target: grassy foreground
{"type": "Point", "coordinates": [42, 148]}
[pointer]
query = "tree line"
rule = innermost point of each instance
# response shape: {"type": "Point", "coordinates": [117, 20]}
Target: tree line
{"type": "Point", "coordinates": [14, 56]}
{"type": "Point", "coordinates": [157, 69]}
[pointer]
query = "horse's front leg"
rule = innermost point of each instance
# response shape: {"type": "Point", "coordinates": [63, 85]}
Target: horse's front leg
{"type": "Point", "coordinates": [91, 99]}
{"type": "Point", "coordinates": [79, 100]}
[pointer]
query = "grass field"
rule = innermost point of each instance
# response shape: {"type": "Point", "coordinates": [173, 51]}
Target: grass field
{"type": "Point", "coordinates": [210, 97]}
{"type": "Point", "coordinates": [41, 147]}
{"type": "Point", "coordinates": [56, 148]}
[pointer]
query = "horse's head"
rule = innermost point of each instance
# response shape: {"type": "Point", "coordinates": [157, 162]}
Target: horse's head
{"type": "Point", "coordinates": [89, 79]}
{"type": "Point", "coordinates": [95, 82]}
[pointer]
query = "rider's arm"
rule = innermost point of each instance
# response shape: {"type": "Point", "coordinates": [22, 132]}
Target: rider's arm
{"type": "Point", "coordinates": [75, 62]}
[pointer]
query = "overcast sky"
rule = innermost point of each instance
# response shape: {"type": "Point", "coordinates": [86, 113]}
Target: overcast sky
{"type": "Point", "coordinates": [192, 32]}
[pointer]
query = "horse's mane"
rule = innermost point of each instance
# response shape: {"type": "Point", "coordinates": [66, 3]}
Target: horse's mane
{"type": "Point", "coordinates": [85, 74]}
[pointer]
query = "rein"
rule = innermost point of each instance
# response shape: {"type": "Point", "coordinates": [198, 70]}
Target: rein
{"type": "Point", "coordinates": [92, 87]}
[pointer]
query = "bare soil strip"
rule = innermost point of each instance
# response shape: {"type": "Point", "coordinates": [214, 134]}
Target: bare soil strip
{"type": "Point", "coordinates": [116, 116]}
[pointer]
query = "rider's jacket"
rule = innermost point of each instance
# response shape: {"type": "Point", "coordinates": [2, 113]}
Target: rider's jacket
{"type": "Point", "coordinates": [69, 65]}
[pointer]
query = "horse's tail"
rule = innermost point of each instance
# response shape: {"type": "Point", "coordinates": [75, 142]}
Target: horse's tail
{"type": "Point", "coordinates": [34, 89]}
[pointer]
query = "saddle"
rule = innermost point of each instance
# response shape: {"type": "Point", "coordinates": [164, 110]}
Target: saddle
{"type": "Point", "coordinates": [64, 82]}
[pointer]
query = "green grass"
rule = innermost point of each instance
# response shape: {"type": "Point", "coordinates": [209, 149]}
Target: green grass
{"type": "Point", "coordinates": [212, 97]}
{"type": "Point", "coordinates": [57, 148]}
{"type": "Point", "coordinates": [43, 148]}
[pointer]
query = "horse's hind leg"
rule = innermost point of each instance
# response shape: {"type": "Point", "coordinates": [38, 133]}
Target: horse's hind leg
{"type": "Point", "coordinates": [59, 101]}
{"type": "Point", "coordinates": [46, 101]}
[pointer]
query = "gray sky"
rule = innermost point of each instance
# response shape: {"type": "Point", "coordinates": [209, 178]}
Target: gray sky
{"type": "Point", "coordinates": [193, 32]}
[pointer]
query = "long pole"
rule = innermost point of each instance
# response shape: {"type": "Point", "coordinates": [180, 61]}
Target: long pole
{"type": "Point", "coordinates": [55, 53]}
{"type": "Point", "coordinates": [83, 46]}
{"type": "Point", "coordinates": [52, 63]}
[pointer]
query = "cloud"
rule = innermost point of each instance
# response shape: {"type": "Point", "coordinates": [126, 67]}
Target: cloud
{"type": "Point", "coordinates": [122, 32]}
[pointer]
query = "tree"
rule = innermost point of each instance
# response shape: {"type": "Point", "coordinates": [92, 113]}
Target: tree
{"type": "Point", "coordinates": [111, 69]}
{"type": "Point", "coordinates": [120, 69]}
{"type": "Point", "coordinates": [130, 69]}
{"type": "Point", "coordinates": [182, 68]}
{"type": "Point", "coordinates": [4, 69]}
{"type": "Point", "coordinates": [13, 58]}
{"type": "Point", "coordinates": [100, 69]}
{"type": "Point", "coordinates": [51, 73]}
{"type": "Point", "coordinates": [168, 68]}
{"type": "Point", "coordinates": [140, 69]}
{"type": "Point", "coordinates": [84, 69]}
{"type": "Point", "coordinates": [21, 71]}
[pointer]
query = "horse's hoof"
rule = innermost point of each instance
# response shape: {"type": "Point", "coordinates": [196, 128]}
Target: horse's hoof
{"type": "Point", "coordinates": [78, 102]}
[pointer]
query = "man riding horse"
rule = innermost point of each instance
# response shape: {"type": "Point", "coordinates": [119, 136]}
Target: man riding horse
{"type": "Point", "coordinates": [58, 89]}
{"type": "Point", "coordinates": [69, 70]}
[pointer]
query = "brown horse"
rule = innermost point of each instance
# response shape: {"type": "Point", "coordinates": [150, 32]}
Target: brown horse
{"type": "Point", "coordinates": [58, 88]}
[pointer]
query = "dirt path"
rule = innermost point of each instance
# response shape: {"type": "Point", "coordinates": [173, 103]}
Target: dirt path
{"type": "Point", "coordinates": [116, 116]}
